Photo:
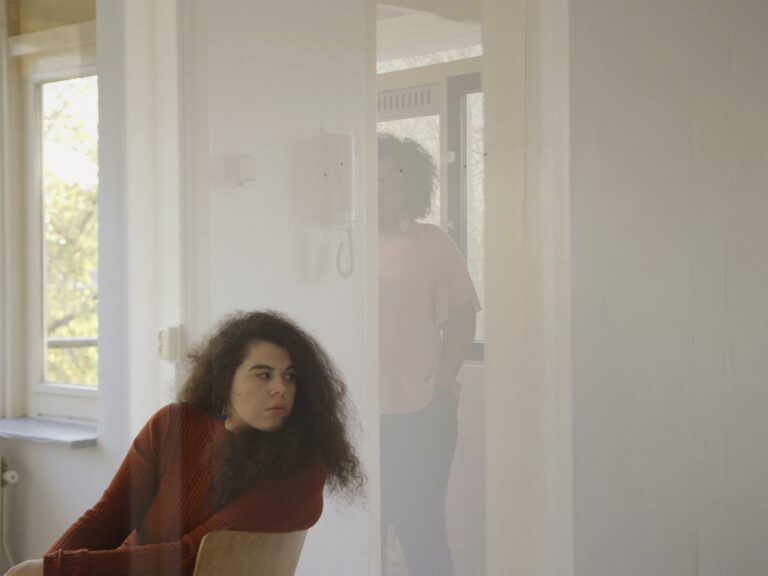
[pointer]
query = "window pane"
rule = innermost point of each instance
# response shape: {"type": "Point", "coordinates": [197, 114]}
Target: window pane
{"type": "Point", "coordinates": [70, 226]}
{"type": "Point", "coordinates": [475, 187]}
{"type": "Point", "coordinates": [428, 59]}
{"type": "Point", "coordinates": [426, 131]}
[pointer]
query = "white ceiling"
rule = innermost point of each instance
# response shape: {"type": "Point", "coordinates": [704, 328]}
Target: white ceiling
{"type": "Point", "coordinates": [404, 33]}
{"type": "Point", "coordinates": [459, 10]}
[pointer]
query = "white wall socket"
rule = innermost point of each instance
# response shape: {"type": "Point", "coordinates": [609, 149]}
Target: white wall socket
{"type": "Point", "coordinates": [169, 343]}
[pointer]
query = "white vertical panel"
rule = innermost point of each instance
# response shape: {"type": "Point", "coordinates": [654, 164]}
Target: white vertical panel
{"type": "Point", "coordinates": [670, 137]}
{"type": "Point", "coordinates": [271, 82]}
{"type": "Point", "coordinates": [745, 280]}
{"type": "Point", "coordinates": [12, 373]}
{"type": "Point", "coordinates": [710, 177]}
{"type": "Point", "coordinates": [141, 214]}
{"type": "Point", "coordinates": [513, 535]}
{"type": "Point", "coordinates": [528, 398]}
{"type": "Point", "coordinates": [632, 288]}
{"type": "Point", "coordinates": [170, 296]}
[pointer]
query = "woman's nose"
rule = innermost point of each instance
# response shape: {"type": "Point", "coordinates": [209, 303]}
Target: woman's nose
{"type": "Point", "coordinates": [278, 387]}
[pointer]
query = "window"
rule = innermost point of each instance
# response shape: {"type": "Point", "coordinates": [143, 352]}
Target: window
{"type": "Point", "coordinates": [69, 177]}
{"type": "Point", "coordinates": [429, 59]}
{"type": "Point", "coordinates": [57, 192]}
{"type": "Point", "coordinates": [441, 107]}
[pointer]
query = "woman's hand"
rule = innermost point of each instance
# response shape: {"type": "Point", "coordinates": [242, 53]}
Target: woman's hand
{"type": "Point", "coordinates": [28, 568]}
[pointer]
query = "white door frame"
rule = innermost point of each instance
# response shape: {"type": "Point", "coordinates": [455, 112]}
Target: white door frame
{"type": "Point", "coordinates": [529, 475]}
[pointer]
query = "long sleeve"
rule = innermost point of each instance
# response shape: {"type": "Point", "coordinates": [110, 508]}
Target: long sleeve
{"type": "Point", "coordinates": [123, 503]}
{"type": "Point", "coordinates": [452, 281]}
{"type": "Point", "coordinates": [175, 508]}
{"type": "Point", "coordinates": [273, 507]}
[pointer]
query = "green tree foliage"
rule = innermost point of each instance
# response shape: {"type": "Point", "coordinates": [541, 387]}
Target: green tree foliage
{"type": "Point", "coordinates": [70, 226]}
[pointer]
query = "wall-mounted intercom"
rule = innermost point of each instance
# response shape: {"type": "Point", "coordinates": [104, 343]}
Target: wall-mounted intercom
{"type": "Point", "coordinates": [324, 177]}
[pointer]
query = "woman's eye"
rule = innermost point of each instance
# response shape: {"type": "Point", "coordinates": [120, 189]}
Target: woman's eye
{"type": "Point", "coordinates": [290, 376]}
{"type": "Point", "coordinates": [263, 376]}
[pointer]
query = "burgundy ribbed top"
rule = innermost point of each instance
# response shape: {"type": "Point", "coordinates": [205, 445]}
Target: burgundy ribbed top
{"type": "Point", "coordinates": [153, 515]}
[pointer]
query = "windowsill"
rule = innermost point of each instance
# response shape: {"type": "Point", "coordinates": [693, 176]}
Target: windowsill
{"type": "Point", "coordinates": [72, 434]}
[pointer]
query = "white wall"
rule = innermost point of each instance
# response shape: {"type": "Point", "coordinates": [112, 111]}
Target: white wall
{"type": "Point", "coordinates": [261, 80]}
{"type": "Point", "coordinates": [670, 286]}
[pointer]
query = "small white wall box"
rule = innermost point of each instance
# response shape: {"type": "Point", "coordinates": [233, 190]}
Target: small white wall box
{"type": "Point", "coordinates": [169, 343]}
{"type": "Point", "coordinates": [240, 168]}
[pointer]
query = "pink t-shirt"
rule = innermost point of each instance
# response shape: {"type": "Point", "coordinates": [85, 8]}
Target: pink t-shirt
{"type": "Point", "coordinates": [422, 278]}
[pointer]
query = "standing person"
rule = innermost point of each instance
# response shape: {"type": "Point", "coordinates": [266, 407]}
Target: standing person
{"type": "Point", "coordinates": [427, 309]}
{"type": "Point", "coordinates": [259, 427]}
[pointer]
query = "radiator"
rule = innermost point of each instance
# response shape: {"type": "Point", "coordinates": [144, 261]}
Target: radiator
{"type": "Point", "coordinates": [7, 476]}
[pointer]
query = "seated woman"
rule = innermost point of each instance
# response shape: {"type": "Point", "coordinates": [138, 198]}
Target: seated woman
{"type": "Point", "coordinates": [259, 428]}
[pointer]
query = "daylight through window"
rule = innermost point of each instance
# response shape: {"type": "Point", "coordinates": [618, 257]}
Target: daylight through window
{"type": "Point", "coordinates": [70, 182]}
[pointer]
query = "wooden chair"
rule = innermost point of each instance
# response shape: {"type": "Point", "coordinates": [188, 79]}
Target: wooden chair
{"type": "Point", "coordinates": [229, 553]}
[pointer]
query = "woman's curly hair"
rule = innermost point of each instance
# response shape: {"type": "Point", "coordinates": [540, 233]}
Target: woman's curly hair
{"type": "Point", "coordinates": [316, 427]}
{"type": "Point", "coordinates": [418, 169]}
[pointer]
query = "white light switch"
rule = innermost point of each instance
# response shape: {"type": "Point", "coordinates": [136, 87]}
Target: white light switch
{"type": "Point", "coordinates": [169, 345]}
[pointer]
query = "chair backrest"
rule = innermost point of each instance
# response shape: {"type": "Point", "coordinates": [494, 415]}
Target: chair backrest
{"type": "Point", "coordinates": [229, 553]}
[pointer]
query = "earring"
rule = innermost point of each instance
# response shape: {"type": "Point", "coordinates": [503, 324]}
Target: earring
{"type": "Point", "coordinates": [223, 415]}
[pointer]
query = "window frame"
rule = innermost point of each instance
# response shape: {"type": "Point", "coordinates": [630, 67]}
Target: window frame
{"type": "Point", "coordinates": [458, 87]}
{"type": "Point", "coordinates": [42, 60]}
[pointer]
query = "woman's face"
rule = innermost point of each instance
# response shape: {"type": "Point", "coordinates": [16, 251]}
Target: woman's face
{"type": "Point", "coordinates": [263, 389]}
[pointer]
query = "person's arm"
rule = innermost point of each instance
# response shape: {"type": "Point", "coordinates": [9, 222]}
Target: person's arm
{"type": "Point", "coordinates": [116, 514]}
{"type": "Point", "coordinates": [124, 502]}
{"type": "Point", "coordinates": [458, 335]}
{"type": "Point", "coordinates": [275, 507]}
{"type": "Point", "coordinates": [457, 305]}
